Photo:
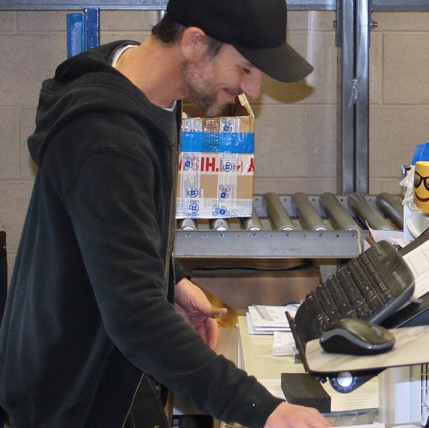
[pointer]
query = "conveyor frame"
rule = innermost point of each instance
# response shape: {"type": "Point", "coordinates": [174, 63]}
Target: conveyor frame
{"type": "Point", "coordinates": [246, 244]}
{"type": "Point", "coordinates": [203, 241]}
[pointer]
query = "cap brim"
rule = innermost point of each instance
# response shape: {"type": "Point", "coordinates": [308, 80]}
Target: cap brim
{"type": "Point", "coordinates": [283, 63]}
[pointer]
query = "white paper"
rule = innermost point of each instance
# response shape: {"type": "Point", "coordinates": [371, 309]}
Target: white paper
{"type": "Point", "coordinates": [265, 319]}
{"type": "Point", "coordinates": [283, 343]}
{"type": "Point", "coordinates": [392, 236]}
{"type": "Point", "coordinates": [418, 261]}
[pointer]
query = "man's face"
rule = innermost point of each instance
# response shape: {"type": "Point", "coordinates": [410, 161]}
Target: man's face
{"type": "Point", "coordinates": [215, 81]}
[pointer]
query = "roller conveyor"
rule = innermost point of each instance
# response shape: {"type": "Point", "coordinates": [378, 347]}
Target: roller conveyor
{"type": "Point", "coordinates": [188, 224]}
{"type": "Point", "coordinates": [392, 208]}
{"type": "Point", "coordinates": [253, 222]}
{"type": "Point", "coordinates": [220, 224]}
{"type": "Point", "coordinates": [367, 214]}
{"type": "Point", "coordinates": [339, 217]}
{"type": "Point", "coordinates": [306, 212]}
{"type": "Point", "coordinates": [277, 213]}
{"type": "Point", "coordinates": [292, 226]}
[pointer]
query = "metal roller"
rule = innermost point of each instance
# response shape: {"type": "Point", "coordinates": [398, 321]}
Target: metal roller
{"type": "Point", "coordinates": [277, 212]}
{"type": "Point", "coordinates": [188, 224]}
{"type": "Point", "coordinates": [367, 214]}
{"type": "Point", "coordinates": [220, 224]}
{"type": "Point", "coordinates": [392, 208]}
{"type": "Point", "coordinates": [253, 222]}
{"type": "Point", "coordinates": [307, 213]}
{"type": "Point", "coordinates": [339, 217]}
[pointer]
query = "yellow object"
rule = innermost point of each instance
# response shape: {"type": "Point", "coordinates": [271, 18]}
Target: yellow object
{"type": "Point", "coordinates": [421, 186]}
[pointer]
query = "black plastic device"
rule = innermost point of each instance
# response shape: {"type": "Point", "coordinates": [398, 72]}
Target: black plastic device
{"type": "Point", "coordinates": [356, 337]}
{"type": "Point", "coordinates": [374, 287]}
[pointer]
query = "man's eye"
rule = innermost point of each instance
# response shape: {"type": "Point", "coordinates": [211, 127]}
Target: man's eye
{"type": "Point", "coordinates": [246, 70]}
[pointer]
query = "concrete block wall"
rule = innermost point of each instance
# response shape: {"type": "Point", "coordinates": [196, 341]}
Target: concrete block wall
{"type": "Point", "coordinates": [296, 123]}
{"type": "Point", "coordinates": [399, 107]}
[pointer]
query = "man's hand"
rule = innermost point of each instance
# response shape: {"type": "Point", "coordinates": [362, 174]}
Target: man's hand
{"type": "Point", "coordinates": [292, 416]}
{"type": "Point", "coordinates": [195, 308]}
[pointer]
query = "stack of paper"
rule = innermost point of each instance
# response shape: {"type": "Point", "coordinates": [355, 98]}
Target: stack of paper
{"type": "Point", "coordinates": [262, 319]}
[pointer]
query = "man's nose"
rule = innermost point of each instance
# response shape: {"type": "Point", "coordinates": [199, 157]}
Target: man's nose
{"type": "Point", "coordinates": [251, 84]}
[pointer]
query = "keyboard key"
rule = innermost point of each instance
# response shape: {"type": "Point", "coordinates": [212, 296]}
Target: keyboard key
{"type": "Point", "coordinates": [362, 281]}
{"type": "Point", "coordinates": [340, 297]}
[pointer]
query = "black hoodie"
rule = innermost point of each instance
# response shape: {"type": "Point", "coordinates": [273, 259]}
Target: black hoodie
{"type": "Point", "coordinates": [88, 307]}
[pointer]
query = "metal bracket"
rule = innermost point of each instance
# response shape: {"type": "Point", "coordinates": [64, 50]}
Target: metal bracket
{"type": "Point", "coordinates": [83, 31]}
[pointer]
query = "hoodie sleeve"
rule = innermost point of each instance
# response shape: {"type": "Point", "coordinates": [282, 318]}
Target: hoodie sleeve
{"type": "Point", "coordinates": [180, 271]}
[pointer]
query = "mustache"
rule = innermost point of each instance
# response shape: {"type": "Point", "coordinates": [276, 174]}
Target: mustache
{"type": "Point", "coordinates": [234, 92]}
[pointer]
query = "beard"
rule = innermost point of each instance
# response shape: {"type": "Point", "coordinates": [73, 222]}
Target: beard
{"type": "Point", "coordinates": [199, 90]}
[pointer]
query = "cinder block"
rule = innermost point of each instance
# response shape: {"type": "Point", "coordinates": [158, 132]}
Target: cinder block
{"type": "Point", "coordinates": [8, 144]}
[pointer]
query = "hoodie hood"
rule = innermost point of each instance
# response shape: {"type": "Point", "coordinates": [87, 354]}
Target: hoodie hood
{"type": "Point", "coordinates": [75, 90]}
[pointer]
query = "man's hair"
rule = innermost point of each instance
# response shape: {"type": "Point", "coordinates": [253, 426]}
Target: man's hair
{"type": "Point", "coordinates": [169, 31]}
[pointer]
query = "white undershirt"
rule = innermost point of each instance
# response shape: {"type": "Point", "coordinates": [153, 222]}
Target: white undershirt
{"type": "Point", "coordinates": [119, 52]}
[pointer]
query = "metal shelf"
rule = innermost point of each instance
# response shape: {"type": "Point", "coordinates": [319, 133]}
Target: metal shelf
{"type": "Point", "coordinates": [400, 5]}
{"type": "Point", "coordinates": [135, 4]}
{"type": "Point", "coordinates": [376, 5]}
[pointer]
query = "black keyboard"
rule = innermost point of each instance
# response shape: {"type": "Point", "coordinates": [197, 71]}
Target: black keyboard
{"type": "Point", "coordinates": [372, 287]}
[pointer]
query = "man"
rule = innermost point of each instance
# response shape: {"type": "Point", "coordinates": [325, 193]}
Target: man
{"type": "Point", "coordinates": [90, 321]}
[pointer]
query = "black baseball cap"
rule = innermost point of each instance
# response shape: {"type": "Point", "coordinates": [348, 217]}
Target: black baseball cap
{"type": "Point", "coordinates": [256, 28]}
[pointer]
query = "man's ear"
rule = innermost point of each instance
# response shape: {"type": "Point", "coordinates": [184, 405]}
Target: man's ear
{"type": "Point", "coordinates": [193, 43]}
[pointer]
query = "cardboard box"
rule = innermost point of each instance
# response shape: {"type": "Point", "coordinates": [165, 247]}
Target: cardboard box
{"type": "Point", "coordinates": [216, 163]}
